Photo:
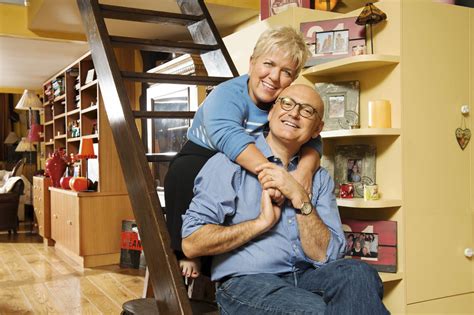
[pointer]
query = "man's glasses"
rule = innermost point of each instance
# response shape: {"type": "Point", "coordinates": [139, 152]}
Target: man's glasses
{"type": "Point", "coordinates": [305, 110]}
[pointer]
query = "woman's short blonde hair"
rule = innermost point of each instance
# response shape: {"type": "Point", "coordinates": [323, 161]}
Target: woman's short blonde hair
{"type": "Point", "coordinates": [286, 39]}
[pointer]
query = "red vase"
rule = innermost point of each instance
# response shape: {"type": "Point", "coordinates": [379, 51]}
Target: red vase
{"type": "Point", "coordinates": [55, 167]}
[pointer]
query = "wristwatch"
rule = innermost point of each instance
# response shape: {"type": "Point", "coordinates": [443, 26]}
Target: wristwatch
{"type": "Point", "coordinates": [306, 208]}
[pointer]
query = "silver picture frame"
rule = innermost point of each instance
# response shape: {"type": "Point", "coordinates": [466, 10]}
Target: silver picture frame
{"type": "Point", "coordinates": [355, 164]}
{"type": "Point", "coordinates": [341, 104]}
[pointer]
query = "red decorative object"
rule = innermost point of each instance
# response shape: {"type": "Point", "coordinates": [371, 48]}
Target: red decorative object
{"type": "Point", "coordinates": [346, 191]}
{"type": "Point", "coordinates": [86, 151]}
{"type": "Point", "coordinates": [78, 183]}
{"type": "Point", "coordinates": [55, 167]}
{"type": "Point", "coordinates": [65, 182]}
{"type": "Point", "coordinates": [34, 133]}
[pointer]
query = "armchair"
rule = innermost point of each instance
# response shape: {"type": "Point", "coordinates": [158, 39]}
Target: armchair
{"type": "Point", "coordinates": [9, 201]}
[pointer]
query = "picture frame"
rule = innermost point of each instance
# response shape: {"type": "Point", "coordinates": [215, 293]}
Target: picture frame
{"type": "Point", "coordinates": [89, 76]}
{"type": "Point", "coordinates": [333, 42]}
{"type": "Point", "coordinates": [273, 7]}
{"type": "Point", "coordinates": [378, 237]}
{"type": "Point", "coordinates": [355, 37]}
{"type": "Point", "coordinates": [354, 164]}
{"type": "Point", "coordinates": [341, 104]}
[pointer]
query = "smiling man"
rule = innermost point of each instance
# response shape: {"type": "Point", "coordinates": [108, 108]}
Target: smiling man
{"type": "Point", "coordinates": [271, 259]}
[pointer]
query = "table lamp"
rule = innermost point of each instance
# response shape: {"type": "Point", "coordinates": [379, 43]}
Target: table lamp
{"type": "Point", "coordinates": [25, 146]}
{"type": "Point", "coordinates": [86, 151]}
{"type": "Point", "coordinates": [370, 15]}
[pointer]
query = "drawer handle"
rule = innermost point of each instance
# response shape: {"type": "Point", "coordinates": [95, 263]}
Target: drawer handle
{"type": "Point", "coordinates": [69, 222]}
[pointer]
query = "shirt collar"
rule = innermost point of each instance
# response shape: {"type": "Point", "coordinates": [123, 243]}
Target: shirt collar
{"type": "Point", "coordinates": [262, 145]}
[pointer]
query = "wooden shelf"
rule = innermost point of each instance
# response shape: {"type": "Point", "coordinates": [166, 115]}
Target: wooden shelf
{"type": "Point", "coordinates": [95, 136]}
{"type": "Point", "coordinates": [361, 203]}
{"type": "Point", "coordinates": [60, 97]}
{"type": "Point", "coordinates": [72, 112]}
{"type": "Point", "coordinates": [88, 85]}
{"type": "Point", "coordinates": [46, 123]}
{"type": "Point", "coordinates": [362, 132]}
{"type": "Point", "coordinates": [389, 277]}
{"type": "Point", "coordinates": [49, 143]}
{"type": "Point", "coordinates": [75, 139]}
{"type": "Point", "coordinates": [60, 136]}
{"type": "Point", "coordinates": [60, 116]}
{"type": "Point", "coordinates": [352, 64]}
{"type": "Point", "coordinates": [89, 109]}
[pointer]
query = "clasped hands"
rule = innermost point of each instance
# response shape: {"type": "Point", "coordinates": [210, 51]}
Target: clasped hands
{"type": "Point", "coordinates": [277, 185]}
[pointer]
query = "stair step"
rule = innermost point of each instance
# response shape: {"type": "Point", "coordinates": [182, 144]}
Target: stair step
{"type": "Point", "coordinates": [163, 114]}
{"type": "Point", "coordinates": [161, 45]}
{"type": "Point", "coordinates": [148, 16]}
{"type": "Point", "coordinates": [172, 78]}
{"type": "Point", "coordinates": [160, 157]}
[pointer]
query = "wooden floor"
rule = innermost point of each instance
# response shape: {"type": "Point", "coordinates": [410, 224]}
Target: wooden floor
{"type": "Point", "coordinates": [34, 280]}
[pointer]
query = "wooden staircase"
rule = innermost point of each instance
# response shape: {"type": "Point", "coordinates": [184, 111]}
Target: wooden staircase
{"type": "Point", "coordinates": [165, 276]}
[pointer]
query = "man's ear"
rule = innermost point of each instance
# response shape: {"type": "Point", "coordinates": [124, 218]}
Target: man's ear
{"type": "Point", "coordinates": [270, 113]}
{"type": "Point", "coordinates": [318, 130]}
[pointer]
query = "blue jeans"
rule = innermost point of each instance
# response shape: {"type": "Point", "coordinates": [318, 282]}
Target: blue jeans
{"type": "Point", "coordinates": [342, 287]}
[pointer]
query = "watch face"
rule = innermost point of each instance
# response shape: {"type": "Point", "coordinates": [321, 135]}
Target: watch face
{"type": "Point", "coordinates": [307, 208]}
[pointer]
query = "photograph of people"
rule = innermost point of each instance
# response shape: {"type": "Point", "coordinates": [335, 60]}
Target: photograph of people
{"type": "Point", "coordinates": [354, 170]}
{"type": "Point", "coordinates": [341, 41]}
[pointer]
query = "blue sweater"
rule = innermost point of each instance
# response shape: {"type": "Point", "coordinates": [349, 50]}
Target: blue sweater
{"type": "Point", "coordinates": [228, 120]}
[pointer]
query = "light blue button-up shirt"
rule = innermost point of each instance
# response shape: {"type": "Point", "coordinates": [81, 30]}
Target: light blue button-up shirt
{"type": "Point", "coordinates": [226, 194]}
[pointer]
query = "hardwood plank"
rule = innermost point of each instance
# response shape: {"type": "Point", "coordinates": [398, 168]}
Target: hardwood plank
{"type": "Point", "coordinates": [12, 300]}
{"type": "Point", "coordinates": [114, 289]}
{"type": "Point", "coordinates": [68, 292]}
{"type": "Point", "coordinates": [97, 297]}
{"type": "Point", "coordinates": [41, 300]}
{"type": "Point", "coordinates": [130, 282]}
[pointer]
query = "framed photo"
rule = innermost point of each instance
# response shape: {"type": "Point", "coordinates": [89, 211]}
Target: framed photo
{"type": "Point", "coordinates": [341, 104]}
{"type": "Point", "coordinates": [345, 35]}
{"type": "Point", "coordinates": [374, 242]}
{"type": "Point", "coordinates": [273, 7]}
{"type": "Point", "coordinates": [332, 42]}
{"type": "Point", "coordinates": [89, 76]}
{"type": "Point", "coordinates": [354, 164]}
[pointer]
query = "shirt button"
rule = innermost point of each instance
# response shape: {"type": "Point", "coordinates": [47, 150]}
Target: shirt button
{"type": "Point", "coordinates": [294, 246]}
{"type": "Point", "coordinates": [289, 221]}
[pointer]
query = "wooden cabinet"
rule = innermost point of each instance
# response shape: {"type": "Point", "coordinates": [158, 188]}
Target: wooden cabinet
{"type": "Point", "coordinates": [86, 226]}
{"type": "Point", "coordinates": [41, 204]}
{"type": "Point", "coordinates": [425, 68]}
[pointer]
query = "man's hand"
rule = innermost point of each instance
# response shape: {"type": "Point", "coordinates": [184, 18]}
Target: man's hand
{"type": "Point", "coordinates": [269, 212]}
{"type": "Point", "coordinates": [275, 194]}
{"type": "Point", "coordinates": [274, 176]}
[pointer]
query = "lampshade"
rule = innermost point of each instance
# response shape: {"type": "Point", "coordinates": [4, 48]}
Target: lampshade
{"type": "Point", "coordinates": [29, 100]}
{"type": "Point", "coordinates": [86, 151]}
{"type": "Point", "coordinates": [34, 133]}
{"type": "Point", "coordinates": [11, 138]}
{"type": "Point", "coordinates": [370, 15]}
{"type": "Point", "coordinates": [25, 146]}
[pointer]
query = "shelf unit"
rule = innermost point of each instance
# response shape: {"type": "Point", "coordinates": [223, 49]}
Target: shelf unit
{"type": "Point", "coordinates": [85, 226]}
{"type": "Point", "coordinates": [77, 106]}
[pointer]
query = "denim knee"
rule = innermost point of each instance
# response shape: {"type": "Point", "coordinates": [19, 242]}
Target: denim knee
{"type": "Point", "coordinates": [359, 273]}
